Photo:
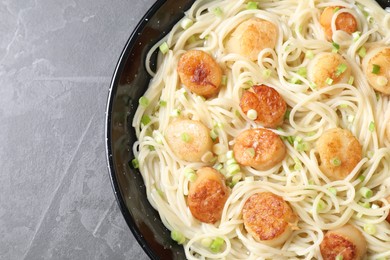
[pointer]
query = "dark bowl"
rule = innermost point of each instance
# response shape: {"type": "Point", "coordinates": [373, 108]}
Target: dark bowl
{"type": "Point", "coordinates": [129, 83]}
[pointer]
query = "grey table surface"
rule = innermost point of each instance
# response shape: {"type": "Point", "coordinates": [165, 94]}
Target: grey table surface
{"type": "Point", "coordinates": [56, 63]}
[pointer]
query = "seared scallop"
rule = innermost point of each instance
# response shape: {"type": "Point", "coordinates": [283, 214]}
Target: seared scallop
{"type": "Point", "coordinates": [270, 107]}
{"type": "Point", "coordinates": [346, 242]}
{"type": "Point", "coordinates": [189, 139]}
{"type": "Point", "coordinates": [207, 195]}
{"type": "Point", "coordinates": [328, 68]}
{"type": "Point", "coordinates": [200, 73]}
{"type": "Point", "coordinates": [376, 66]}
{"type": "Point", "coordinates": [344, 21]}
{"type": "Point", "coordinates": [268, 218]}
{"type": "Point", "coordinates": [339, 153]}
{"type": "Point", "coordinates": [259, 148]}
{"type": "Point", "coordinates": [251, 37]}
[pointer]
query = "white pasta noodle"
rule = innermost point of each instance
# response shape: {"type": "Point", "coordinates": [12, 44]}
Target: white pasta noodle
{"type": "Point", "coordinates": [298, 178]}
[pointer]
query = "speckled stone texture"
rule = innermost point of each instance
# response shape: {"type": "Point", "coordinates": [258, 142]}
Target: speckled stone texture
{"type": "Point", "coordinates": [56, 63]}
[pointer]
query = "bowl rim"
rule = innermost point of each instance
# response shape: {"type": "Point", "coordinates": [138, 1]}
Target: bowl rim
{"type": "Point", "coordinates": [108, 120]}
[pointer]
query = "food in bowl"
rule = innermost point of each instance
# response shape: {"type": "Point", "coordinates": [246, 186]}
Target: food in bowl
{"type": "Point", "coordinates": [264, 130]}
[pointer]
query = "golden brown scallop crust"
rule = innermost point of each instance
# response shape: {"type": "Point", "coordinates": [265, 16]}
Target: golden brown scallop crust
{"type": "Point", "coordinates": [200, 73]}
{"type": "Point", "coordinates": [382, 59]}
{"type": "Point", "coordinates": [207, 195]}
{"type": "Point", "coordinates": [334, 245]}
{"type": "Point", "coordinates": [199, 141]}
{"type": "Point", "coordinates": [267, 216]}
{"type": "Point", "coordinates": [267, 102]}
{"type": "Point", "coordinates": [267, 147]}
{"type": "Point", "coordinates": [344, 21]}
{"type": "Point", "coordinates": [252, 36]}
{"type": "Point", "coordinates": [338, 144]}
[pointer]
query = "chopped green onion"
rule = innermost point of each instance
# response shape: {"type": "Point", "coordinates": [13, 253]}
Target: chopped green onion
{"type": "Point", "coordinates": [236, 178]}
{"type": "Point", "coordinates": [229, 155]}
{"type": "Point", "coordinates": [185, 137]}
{"type": "Point", "coordinates": [290, 139]}
{"type": "Point", "coordinates": [250, 151]}
{"type": "Point", "coordinates": [339, 257]}
{"type": "Point", "coordinates": [224, 80]}
{"type": "Point", "coordinates": [143, 101]}
{"type": "Point", "coordinates": [362, 52]}
{"type": "Point", "coordinates": [287, 114]}
{"type": "Point", "coordinates": [313, 85]}
{"type": "Point", "coordinates": [176, 113]}
{"type": "Point", "coordinates": [336, 9]}
{"type": "Point", "coordinates": [351, 80]}
{"type": "Point", "coordinates": [369, 228]}
{"type": "Point", "coordinates": [190, 174]}
{"type": "Point", "coordinates": [309, 55]}
{"type": "Point", "coordinates": [302, 147]}
{"type": "Point", "coordinates": [375, 69]}
{"type": "Point", "coordinates": [335, 47]}
{"type": "Point", "coordinates": [178, 236]}
{"type": "Point", "coordinates": [163, 103]}
{"type": "Point", "coordinates": [164, 48]}
{"type": "Point", "coordinates": [350, 118]}
{"type": "Point", "coordinates": [333, 190]}
{"type": "Point", "coordinates": [251, 6]}
{"type": "Point", "coordinates": [298, 164]}
{"type": "Point", "coordinates": [151, 148]}
{"type": "Point", "coordinates": [311, 133]}
{"type": "Point", "coordinates": [329, 81]}
{"type": "Point", "coordinates": [302, 71]}
{"type": "Point", "coordinates": [186, 23]}
{"type": "Point", "coordinates": [233, 168]}
{"type": "Point", "coordinates": [356, 36]}
{"type": "Point", "coordinates": [366, 192]}
{"type": "Point", "coordinates": [217, 11]}
{"type": "Point", "coordinates": [266, 73]}
{"type": "Point", "coordinates": [214, 134]}
{"type": "Point", "coordinates": [361, 178]}
{"type": "Point", "coordinates": [366, 204]}
{"type": "Point", "coordinates": [218, 167]}
{"type": "Point", "coordinates": [341, 69]}
{"type": "Point", "coordinates": [371, 127]}
{"type": "Point", "coordinates": [343, 106]}
{"type": "Point", "coordinates": [145, 120]}
{"type": "Point", "coordinates": [135, 163]}
{"type": "Point", "coordinates": [206, 242]}
{"type": "Point", "coordinates": [335, 162]}
{"type": "Point", "coordinates": [295, 80]}
{"type": "Point", "coordinates": [252, 114]}
{"type": "Point", "coordinates": [321, 205]}
{"type": "Point", "coordinates": [231, 161]}
{"type": "Point", "coordinates": [160, 192]}
{"type": "Point", "coordinates": [192, 39]}
{"type": "Point", "coordinates": [378, 96]}
{"type": "Point", "coordinates": [217, 244]}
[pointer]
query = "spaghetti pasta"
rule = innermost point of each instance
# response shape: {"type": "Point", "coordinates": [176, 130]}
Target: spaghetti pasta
{"type": "Point", "coordinates": [353, 104]}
